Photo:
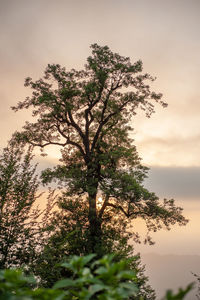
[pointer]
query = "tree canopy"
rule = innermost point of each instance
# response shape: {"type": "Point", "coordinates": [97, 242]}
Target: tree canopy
{"type": "Point", "coordinates": [18, 216]}
{"type": "Point", "coordinates": [89, 114]}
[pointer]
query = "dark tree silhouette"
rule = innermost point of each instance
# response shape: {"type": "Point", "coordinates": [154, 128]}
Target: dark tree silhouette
{"type": "Point", "coordinates": [89, 113]}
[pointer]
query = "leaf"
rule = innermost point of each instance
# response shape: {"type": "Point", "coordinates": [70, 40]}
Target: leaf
{"type": "Point", "coordinates": [131, 286]}
{"type": "Point", "coordinates": [88, 258]}
{"type": "Point", "coordinates": [96, 288]}
{"type": "Point", "coordinates": [63, 283]}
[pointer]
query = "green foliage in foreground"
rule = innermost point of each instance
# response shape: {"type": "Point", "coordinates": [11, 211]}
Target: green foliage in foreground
{"type": "Point", "coordinates": [178, 296]}
{"type": "Point", "coordinates": [100, 279]}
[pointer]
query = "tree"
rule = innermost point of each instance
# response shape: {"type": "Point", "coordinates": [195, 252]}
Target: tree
{"type": "Point", "coordinates": [88, 113]}
{"type": "Point", "coordinates": [18, 188]}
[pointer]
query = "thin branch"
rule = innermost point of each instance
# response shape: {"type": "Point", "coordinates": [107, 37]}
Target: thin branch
{"type": "Point", "coordinates": [91, 118]}
{"type": "Point", "coordinates": [103, 206]}
{"type": "Point", "coordinates": [47, 144]}
{"type": "Point", "coordinates": [97, 99]}
{"type": "Point", "coordinates": [105, 121]}
{"type": "Point", "coordinates": [127, 214]}
{"type": "Point", "coordinates": [69, 142]}
{"type": "Point", "coordinates": [75, 125]}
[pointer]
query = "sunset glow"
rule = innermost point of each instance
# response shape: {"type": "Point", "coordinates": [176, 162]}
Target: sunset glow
{"type": "Point", "coordinates": [165, 36]}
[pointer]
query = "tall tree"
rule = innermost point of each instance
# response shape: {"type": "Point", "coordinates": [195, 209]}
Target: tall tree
{"type": "Point", "coordinates": [18, 188]}
{"type": "Point", "coordinates": [89, 113]}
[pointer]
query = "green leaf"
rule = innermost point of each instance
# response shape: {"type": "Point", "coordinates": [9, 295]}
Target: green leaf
{"type": "Point", "coordinates": [63, 284]}
{"type": "Point", "coordinates": [96, 288]}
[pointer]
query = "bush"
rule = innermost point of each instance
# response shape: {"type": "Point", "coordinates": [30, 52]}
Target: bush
{"type": "Point", "coordinates": [91, 279]}
{"type": "Point", "coordinates": [101, 279]}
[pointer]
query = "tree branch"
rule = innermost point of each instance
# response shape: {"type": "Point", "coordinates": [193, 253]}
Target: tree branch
{"type": "Point", "coordinates": [75, 125]}
{"type": "Point", "coordinates": [103, 206]}
{"type": "Point", "coordinates": [70, 142]}
{"type": "Point", "coordinates": [100, 128]}
{"type": "Point", "coordinates": [47, 144]}
{"type": "Point", "coordinates": [127, 214]}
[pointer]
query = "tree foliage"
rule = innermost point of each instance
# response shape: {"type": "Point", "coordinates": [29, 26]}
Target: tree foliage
{"type": "Point", "coordinates": [89, 113]}
{"type": "Point", "coordinates": [101, 279]}
{"type": "Point", "coordinates": [197, 277]}
{"type": "Point", "coordinates": [68, 229]}
{"type": "Point", "coordinates": [91, 279]}
{"type": "Point", "coordinates": [18, 188]}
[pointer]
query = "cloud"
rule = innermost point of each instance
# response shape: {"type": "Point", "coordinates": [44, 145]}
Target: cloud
{"type": "Point", "coordinates": [168, 142]}
{"type": "Point", "coordinates": [175, 182]}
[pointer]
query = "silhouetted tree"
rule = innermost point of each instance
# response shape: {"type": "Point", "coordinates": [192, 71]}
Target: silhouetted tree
{"type": "Point", "coordinates": [89, 113]}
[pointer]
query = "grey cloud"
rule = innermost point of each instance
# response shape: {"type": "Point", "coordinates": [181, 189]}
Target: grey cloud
{"type": "Point", "coordinates": [172, 182]}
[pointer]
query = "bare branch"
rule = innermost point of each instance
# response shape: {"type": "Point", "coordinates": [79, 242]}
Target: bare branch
{"type": "Point", "coordinates": [127, 214]}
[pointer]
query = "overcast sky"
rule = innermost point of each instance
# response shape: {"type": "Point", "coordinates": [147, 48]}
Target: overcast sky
{"type": "Point", "coordinates": [164, 34]}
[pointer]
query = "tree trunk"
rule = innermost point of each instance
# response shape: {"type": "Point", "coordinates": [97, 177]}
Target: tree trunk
{"type": "Point", "coordinates": [95, 232]}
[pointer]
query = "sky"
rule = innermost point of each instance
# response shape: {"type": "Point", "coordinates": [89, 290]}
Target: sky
{"type": "Point", "coordinates": [165, 36]}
